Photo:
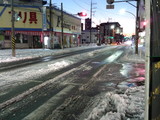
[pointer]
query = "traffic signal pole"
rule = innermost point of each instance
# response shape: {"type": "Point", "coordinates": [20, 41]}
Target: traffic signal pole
{"type": "Point", "coordinates": [137, 28]}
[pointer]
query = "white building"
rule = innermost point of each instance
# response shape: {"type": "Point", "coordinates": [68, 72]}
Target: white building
{"type": "Point", "coordinates": [90, 36]}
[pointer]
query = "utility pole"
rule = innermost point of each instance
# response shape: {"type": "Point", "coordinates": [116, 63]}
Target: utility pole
{"type": "Point", "coordinates": [148, 73]}
{"type": "Point", "coordinates": [50, 25]}
{"type": "Point", "coordinates": [152, 85]}
{"type": "Point", "coordinates": [13, 32]}
{"type": "Point", "coordinates": [50, 14]}
{"type": "Point", "coordinates": [91, 13]}
{"type": "Point", "coordinates": [91, 23]}
{"type": "Point", "coordinates": [62, 25]}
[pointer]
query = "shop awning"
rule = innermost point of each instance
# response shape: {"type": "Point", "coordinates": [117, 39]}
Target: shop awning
{"type": "Point", "coordinates": [28, 32]}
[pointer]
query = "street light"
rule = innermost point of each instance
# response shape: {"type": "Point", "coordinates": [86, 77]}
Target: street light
{"type": "Point", "coordinates": [112, 26]}
{"type": "Point", "coordinates": [122, 11]}
{"type": "Point", "coordinates": [136, 28]}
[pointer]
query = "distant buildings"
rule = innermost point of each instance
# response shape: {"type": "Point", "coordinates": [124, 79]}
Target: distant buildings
{"type": "Point", "coordinates": [89, 35]}
{"type": "Point", "coordinates": [87, 24]}
{"type": "Point", "coordinates": [110, 32]}
{"type": "Point", "coordinates": [105, 33]}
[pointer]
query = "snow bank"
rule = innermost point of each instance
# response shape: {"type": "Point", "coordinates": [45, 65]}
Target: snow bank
{"type": "Point", "coordinates": [125, 106]}
{"type": "Point", "coordinates": [22, 54]}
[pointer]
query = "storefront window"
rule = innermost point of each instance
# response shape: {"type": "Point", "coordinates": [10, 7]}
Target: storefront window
{"type": "Point", "coordinates": [20, 38]}
{"type": "Point", "coordinates": [17, 38]}
{"type": "Point", "coordinates": [37, 42]}
{"type": "Point", "coordinates": [7, 37]}
{"type": "Point", "coordinates": [25, 40]}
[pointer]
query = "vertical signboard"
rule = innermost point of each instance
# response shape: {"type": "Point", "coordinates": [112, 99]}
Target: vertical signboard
{"type": "Point", "coordinates": [44, 18]}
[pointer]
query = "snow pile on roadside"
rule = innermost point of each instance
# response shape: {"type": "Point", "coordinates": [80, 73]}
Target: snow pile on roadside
{"type": "Point", "coordinates": [120, 106]}
{"type": "Point", "coordinates": [132, 57]}
{"type": "Point", "coordinates": [59, 65]}
{"type": "Point", "coordinates": [22, 54]}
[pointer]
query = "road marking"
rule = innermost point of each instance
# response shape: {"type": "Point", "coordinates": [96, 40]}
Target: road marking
{"type": "Point", "coordinates": [44, 109]}
{"type": "Point", "coordinates": [113, 57]}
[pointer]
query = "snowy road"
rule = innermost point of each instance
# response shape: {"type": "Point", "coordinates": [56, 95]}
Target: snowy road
{"type": "Point", "coordinates": [25, 62]}
{"type": "Point", "coordinates": [65, 89]}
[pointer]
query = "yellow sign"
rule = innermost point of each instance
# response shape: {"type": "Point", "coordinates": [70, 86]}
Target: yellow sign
{"type": "Point", "coordinates": [157, 65]}
{"type": "Point", "coordinates": [30, 17]}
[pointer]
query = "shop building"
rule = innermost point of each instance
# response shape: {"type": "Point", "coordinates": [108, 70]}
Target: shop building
{"type": "Point", "coordinates": [35, 30]}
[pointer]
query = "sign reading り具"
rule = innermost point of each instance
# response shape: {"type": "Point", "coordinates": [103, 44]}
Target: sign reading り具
{"type": "Point", "coordinates": [30, 17]}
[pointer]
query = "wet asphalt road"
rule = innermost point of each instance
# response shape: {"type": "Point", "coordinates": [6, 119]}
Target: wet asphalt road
{"type": "Point", "coordinates": [64, 94]}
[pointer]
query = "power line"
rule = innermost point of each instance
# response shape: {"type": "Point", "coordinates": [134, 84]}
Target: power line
{"type": "Point", "coordinates": [85, 3]}
{"type": "Point", "coordinates": [79, 5]}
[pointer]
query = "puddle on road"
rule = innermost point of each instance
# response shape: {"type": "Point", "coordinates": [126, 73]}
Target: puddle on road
{"type": "Point", "coordinates": [134, 74]}
{"type": "Point", "coordinates": [126, 85]}
{"type": "Point", "coordinates": [96, 62]}
{"type": "Point", "coordinates": [110, 84]}
{"type": "Point", "coordinates": [106, 86]}
{"type": "Point", "coordinates": [126, 69]}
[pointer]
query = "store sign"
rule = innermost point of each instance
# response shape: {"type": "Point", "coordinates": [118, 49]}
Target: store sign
{"type": "Point", "coordinates": [109, 6]}
{"type": "Point", "coordinates": [65, 25]}
{"type": "Point", "coordinates": [32, 17]}
{"type": "Point", "coordinates": [29, 17]}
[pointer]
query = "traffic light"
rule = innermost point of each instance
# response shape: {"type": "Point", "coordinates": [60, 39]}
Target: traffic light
{"type": "Point", "coordinates": [17, 16]}
{"type": "Point", "coordinates": [82, 14]}
{"type": "Point", "coordinates": [143, 25]}
{"type": "Point", "coordinates": [110, 1]}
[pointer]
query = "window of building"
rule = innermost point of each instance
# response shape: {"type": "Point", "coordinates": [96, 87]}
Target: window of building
{"type": "Point", "coordinates": [6, 37]}
{"type": "Point", "coordinates": [17, 38]}
{"type": "Point", "coordinates": [20, 38]}
{"type": "Point", "coordinates": [25, 40]}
